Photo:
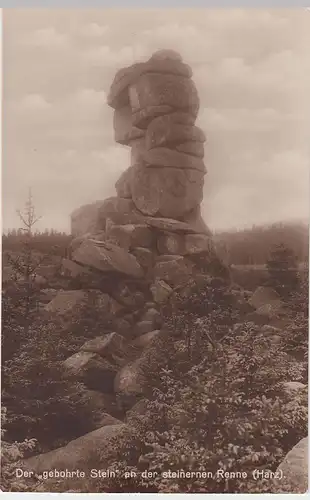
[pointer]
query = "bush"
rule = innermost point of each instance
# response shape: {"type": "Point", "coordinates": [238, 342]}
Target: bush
{"type": "Point", "coordinates": [223, 409]}
{"type": "Point", "coordinates": [40, 402]}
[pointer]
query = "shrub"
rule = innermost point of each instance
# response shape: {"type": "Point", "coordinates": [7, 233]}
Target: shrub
{"type": "Point", "coordinates": [222, 410]}
{"type": "Point", "coordinates": [40, 402]}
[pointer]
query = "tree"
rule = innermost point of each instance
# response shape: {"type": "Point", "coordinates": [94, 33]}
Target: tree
{"type": "Point", "coordinates": [25, 263]}
{"type": "Point", "coordinates": [282, 267]}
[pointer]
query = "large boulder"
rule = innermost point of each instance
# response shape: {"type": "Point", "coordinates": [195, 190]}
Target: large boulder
{"type": "Point", "coordinates": [189, 244]}
{"type": "Point", "coordinates": [154, 89]}
{"type": "Point", "coordinates": [112, 347]}
{"type": "Point", "coordinates": [130, 236]}
{"type": "Point", "coordinates": [128, 296]}
{"type": "Point", "coordinates": [263, 295]}
{"type": "Point", "coordinates": [105, 256]}
{"type": "Point", "coordinates": [175, 270]}
{"type": "Point", "coordinates": [166, 224]}
{"type": "Point", "coordinates": [172, 129]}
{"type": "Point", "coordinates": [137, 151]}
{"type": "Point", "coordinates": [66, 301]}
{"type": "Point", "coordinates": [143, 117]}
{"type": "Point", "coordinates": [122, 185]}
{"type": "Point", "coordinates": [69, 301]}
{"type": "Point", "coordinates": [144, 340]}
{"type": "Point", "coordinates": [170, 243]}
{"type": "Point", "coordinates": [144, 256]}
{"type": "Point", "coordinates": [195, 220]}
{"type": "Point", "coordinates": [79, 454]}
{"type": "Point", "coordinates": [83, 275]}
{"type": "Point", "coordinates": [169, 192]}
{"type": "Point", "coordinates": [197, 243]}
{"type": "Point", "coordinates": [192, 148]}
{"type": "Point", "coordinates": [124, 131]}
{"type": "Point", "coordinates": [294, 470]}
{"type": "Point", "coordinates": [293, 387]}
{"type": "Point", "coordinates": [137, 411]}
{"type": "Point", "coordinates": [91, 369]}
{"type": "Point", "coordinates": [100, 404]}
{"type": "Point", "coordinates": [119, 211]}
{"type": "Point", "coordinates": [145, 326]}
{"type": "Point", "coordinates": [130, 381]}
{"type": "Point", "coordinates": [86, 219]}
{"type": "Point", "coordinates": [165, 157]}
{"type": "Point", "coordinates": [274, 309]}
{"type": "Point", "coordinates": [118, 95]}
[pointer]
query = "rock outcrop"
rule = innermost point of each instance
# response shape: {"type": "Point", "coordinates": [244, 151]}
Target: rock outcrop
{"type": "Point", "coordinates": [294, 470]}
{"type": "Point", "coordinates": [157, 207]}
{"type": "Point", "coordinates": [136, 247]}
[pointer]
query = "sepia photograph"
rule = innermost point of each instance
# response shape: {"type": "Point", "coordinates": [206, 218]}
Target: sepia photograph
{"type": "Point", "coordinates": [155, 250]}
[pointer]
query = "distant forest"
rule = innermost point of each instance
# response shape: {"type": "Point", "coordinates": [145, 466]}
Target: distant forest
{"type": "Point", "coordinates": [239, 247]}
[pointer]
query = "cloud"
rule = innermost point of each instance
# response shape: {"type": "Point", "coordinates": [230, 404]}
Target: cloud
{"type": "Point", "coordinates": [48, 38]}
{"type": "Point", "coordinates": [29, 104]}
{"type": "Point", "coordinates": [251, 68]}
{"type": "Point", "coordinates": [94, 30]}
{"type": "Point", "coordinates": [104, 55]}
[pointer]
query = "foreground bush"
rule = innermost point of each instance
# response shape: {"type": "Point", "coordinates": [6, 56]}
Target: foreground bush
{"type": "Point", "coordinates": [222, 410]}
{"type": "Point", "coordinates": [40, 403]}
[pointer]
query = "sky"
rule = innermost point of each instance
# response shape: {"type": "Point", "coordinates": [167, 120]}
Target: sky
{"type": "Point", "coordinates": [252, 71]}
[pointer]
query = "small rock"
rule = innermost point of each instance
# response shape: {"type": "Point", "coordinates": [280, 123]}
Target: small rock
{"type": "Point", "coordinates": [144, 327]}
{"type": "Point", "coordinates": [160, 291]}
{"type": "Point", "coordinates": [151, 315]}
{"type": "Point", "coordinates": [145, 339]}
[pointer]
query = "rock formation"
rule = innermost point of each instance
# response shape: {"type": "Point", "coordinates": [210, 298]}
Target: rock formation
{"type": "Point", "coordinates": [153, 227]}
{"type": "Point", "coordinates": [137, 246]}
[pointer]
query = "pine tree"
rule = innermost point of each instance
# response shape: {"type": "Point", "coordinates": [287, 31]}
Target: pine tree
{"type": "Point", "coordinates": [282, 267]}
{"type": "Point", "coordinates": [24, 265]}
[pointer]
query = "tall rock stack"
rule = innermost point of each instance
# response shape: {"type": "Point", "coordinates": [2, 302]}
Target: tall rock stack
{"type": "Point", "coordinates": [153, 228]}
{"type": "Point", "coordinates": [150, 238]}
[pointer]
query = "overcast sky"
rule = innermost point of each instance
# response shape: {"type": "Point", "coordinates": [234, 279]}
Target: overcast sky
{"type": "Point", "coordinates": [252, 71]}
